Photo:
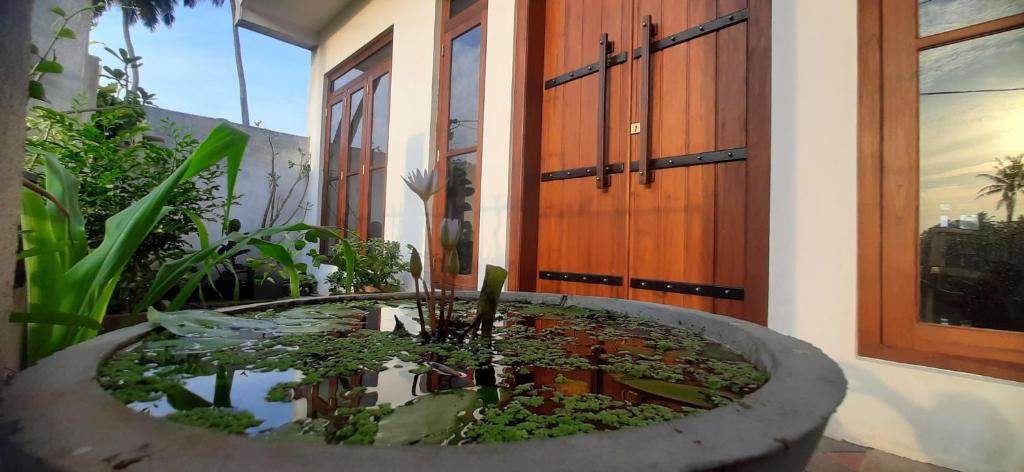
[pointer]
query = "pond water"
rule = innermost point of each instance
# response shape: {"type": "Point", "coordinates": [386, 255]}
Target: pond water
{"type": "Point", "coordinates": [350, 373]}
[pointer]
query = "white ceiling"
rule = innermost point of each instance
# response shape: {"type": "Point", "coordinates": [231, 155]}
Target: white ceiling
{"type": "Point", "coordinates": [294, 21]}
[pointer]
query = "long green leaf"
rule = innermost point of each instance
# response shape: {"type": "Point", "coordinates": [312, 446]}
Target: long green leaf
{"type": "Point", "coordinates": [283, 257]}
{"type": "Point", "coordinates": [83, 286]}
{"type": "Point", "coordinates": [60, 319]}
{"type": "Point", "coordinates": [350, 264]}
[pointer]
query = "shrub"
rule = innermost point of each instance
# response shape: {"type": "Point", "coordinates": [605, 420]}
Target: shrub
{"type": "Point", "coordinates": [377, 265]}
{"type": "Point", "coordinates": [116, 165]}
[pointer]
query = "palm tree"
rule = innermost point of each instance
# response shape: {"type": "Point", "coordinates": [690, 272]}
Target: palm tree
{"type": "Point", "coordinates": [154, 12]}
{"type": "Point", "coordinates": [243, 96]}
{"type": "Point", "coordinates": [1007, 181]}
{"type": "Point", "coordinates": [150, 12]}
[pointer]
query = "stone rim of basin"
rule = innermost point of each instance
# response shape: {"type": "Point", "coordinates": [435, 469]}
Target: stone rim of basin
{"type": "Point", "coordinates": [56, 415]}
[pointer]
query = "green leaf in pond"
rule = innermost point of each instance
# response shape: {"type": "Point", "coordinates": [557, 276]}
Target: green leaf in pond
{"type": "Point", "coordinates": [317, 319]}
{"type": "Point", "coordinates": [205, 323]}
{"type": "Point", "coordinates": [428, 420]}
{"type": "Point", "coordinates": [689, 394]}
{"type": "Point", "coordinates": [191, 345]}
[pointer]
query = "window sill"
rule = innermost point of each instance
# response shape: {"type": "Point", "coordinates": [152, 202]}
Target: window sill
{"type": "Point", "coordinates": [989, 368]}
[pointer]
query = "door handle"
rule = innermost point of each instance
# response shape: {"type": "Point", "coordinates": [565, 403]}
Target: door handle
{"type": "Point", "coordinates": [647, 28]}
{"type": "Point", "coordinates": [602, 112]}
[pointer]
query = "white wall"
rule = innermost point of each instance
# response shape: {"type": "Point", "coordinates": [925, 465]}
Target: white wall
{"type": "Point", "coordinates": [411, 138]}
{"type": "Point", "coordinates": [413, 85]}
{"type": "Point", "coordinates": [952, 419]}
{"type": "Point", "coordinates": [80, 76]}
{"type": "Point", "coordinates": [251, 186]}
{"type": "Point", "coordinates": [497, 140]}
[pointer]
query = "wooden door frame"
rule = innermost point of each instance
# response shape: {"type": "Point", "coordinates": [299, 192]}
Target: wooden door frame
{"type": "Point", "coordinates": [330, 97]}
{"type": "Point", "coordinates": [474, 16]}
{"type": "Point", "coordinates": [524, 175]}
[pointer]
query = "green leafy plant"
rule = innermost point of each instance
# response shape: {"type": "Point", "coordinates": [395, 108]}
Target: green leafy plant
{"type": "Point", "coordinates": [115, 166]}
{"type": "Point", "coordinates": [46, 62]}
{"type": "Point", "coordinates": [69, 286]}
{"type": "Point", "coordinates": [188, 272]}
{"type": "Point", "coordinates": [268, 270]}
{"type": "Point", "coordinates": [370, 265]}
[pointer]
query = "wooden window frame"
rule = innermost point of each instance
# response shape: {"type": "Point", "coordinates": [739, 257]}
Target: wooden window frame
{"type": "Point", "coordinates": [888, 252]}
{"type": "Point", "coordinates": [452, 28]}
{"type": "Point", "coordinates": [331, 97]}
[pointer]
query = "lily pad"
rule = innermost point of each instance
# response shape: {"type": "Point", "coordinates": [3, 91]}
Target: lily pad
{"type": "Point", "coordinates": [689, 394]}
{"type": "Point", "coordinates": [191, 345]}
{"type": "Point", "coordinates": [318, 318]}
{"type": "Point", "coordinates": [207, 324]}
{"type": "Point", "coordinates": [428, 420]}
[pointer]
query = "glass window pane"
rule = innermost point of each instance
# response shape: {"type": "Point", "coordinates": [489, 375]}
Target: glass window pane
{"type": "Point", "coordinates": [383, 54]}
{"type": "Point", "coordinates": [375, 226]}
{"type": "Point", "coordinates": [331, 217]}
{"type": "Point", "coordinates": [458, 6]}
{"type": "Point", "coordinates": [352, 204]}
{"type": "Point", "coordinates": [459, 201]}
{"type": "Point", "coordinates": [334, 146]}
{"type": "Point", "coordinates": [465, 90]}
{"type": "Point", "coordinates": [937, 16]}
{"type": "Point", "coordinates": [972, 182]}
{"type": "Point", "coordinates": [380, 117]}
{"type": "Point", "coordinates": [355, 133]}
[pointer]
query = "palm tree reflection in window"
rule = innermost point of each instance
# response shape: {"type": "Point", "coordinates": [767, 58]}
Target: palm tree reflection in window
{"type": "Point", "coordinates": [459, 191]}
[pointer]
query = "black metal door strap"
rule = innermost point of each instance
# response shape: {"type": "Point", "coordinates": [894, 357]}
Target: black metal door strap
{"type": "Point", "coordinates": [701, 158]}
{"type": "Point", "coordinates": [713, 291]}
{"type": "Point", "coordinates": [666, 42]}
{"type": "Point", "coordinates": [581, 278]}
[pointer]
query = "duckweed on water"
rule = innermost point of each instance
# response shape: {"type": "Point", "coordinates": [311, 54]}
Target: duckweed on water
{"type": "Point", "coordinates": [550, 371]}
{"type": "Point", "coordinates": [217, 419]}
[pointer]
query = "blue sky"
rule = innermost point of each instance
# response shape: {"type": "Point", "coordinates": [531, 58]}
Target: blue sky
{"type": "Point", "coordinates": [191, 67]}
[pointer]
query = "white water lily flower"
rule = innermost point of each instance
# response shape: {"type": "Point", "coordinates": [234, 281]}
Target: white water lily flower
{"type": "Point", "coordinates": [422, 183]}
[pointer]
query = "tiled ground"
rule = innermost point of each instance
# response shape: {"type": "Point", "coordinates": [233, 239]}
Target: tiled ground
{"type": "Point", "coordinates": [841, 456]}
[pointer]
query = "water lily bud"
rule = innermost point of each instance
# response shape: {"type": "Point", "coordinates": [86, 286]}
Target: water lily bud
{"type": "Point", "coordinates": [451, 230]}
{"type": "Point", "coordinates": [415, 264]}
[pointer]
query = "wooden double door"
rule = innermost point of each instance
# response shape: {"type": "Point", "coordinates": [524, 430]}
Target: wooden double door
{"type": "Point", "coordinates": [644, 160]}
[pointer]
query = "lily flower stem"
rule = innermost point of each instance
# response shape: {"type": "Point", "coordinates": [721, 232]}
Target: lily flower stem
{"type": "Point", "coordinates": [419, 306]}
{"type": "Point", "coordinates": [430, 239]}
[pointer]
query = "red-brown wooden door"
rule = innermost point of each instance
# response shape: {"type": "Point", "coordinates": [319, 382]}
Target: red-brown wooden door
{"type": "Point", "coordinates": [672, 230]}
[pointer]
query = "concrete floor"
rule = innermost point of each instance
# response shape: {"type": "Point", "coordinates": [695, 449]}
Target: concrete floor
{"type": "Point", "coordinates": [841, 456]}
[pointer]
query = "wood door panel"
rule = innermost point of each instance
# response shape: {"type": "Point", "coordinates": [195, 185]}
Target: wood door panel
{"type": "Point", "coordinates": [731, 178]}
{"type": "Point", "coordinates": [581, 228]}
{"type": "Point", "coordinates": [673, 220]}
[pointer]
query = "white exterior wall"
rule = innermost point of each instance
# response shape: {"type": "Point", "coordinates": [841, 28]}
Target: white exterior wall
{"type": "Point", "coordinates": [412, 132]}
{"type": "Point", "coordinates": [414, 69]}
{"type": "Point", "coordinates": [963, 421]}
{"type": "Point", "coordinates": [957, 420]}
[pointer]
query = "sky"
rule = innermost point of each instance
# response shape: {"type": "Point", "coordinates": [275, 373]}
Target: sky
{"type": "Point", "coordinates": [961, 134]}
{"type": "Point", "coordinates": [191, 67]}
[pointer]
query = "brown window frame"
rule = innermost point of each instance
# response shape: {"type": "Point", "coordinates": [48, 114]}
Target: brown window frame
{"type": "Point", "coordinates": [452, 28]}
{"type": "Point", "coordinates": [343, 94]}
{"type": "Point", "coordinates": [888, 326]}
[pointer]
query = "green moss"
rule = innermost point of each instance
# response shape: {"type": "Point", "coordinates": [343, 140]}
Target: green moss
{"type": "Point", "coordinates": [360, 424]}
{"type": "Point", "coordinates": [281, 392]}
{"type": "Point", "coordinates": [217, 419]}
{"type": "Point", "coordinates": [125, 376]}
{"type": "Point", "coordinates": [572, 415]}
